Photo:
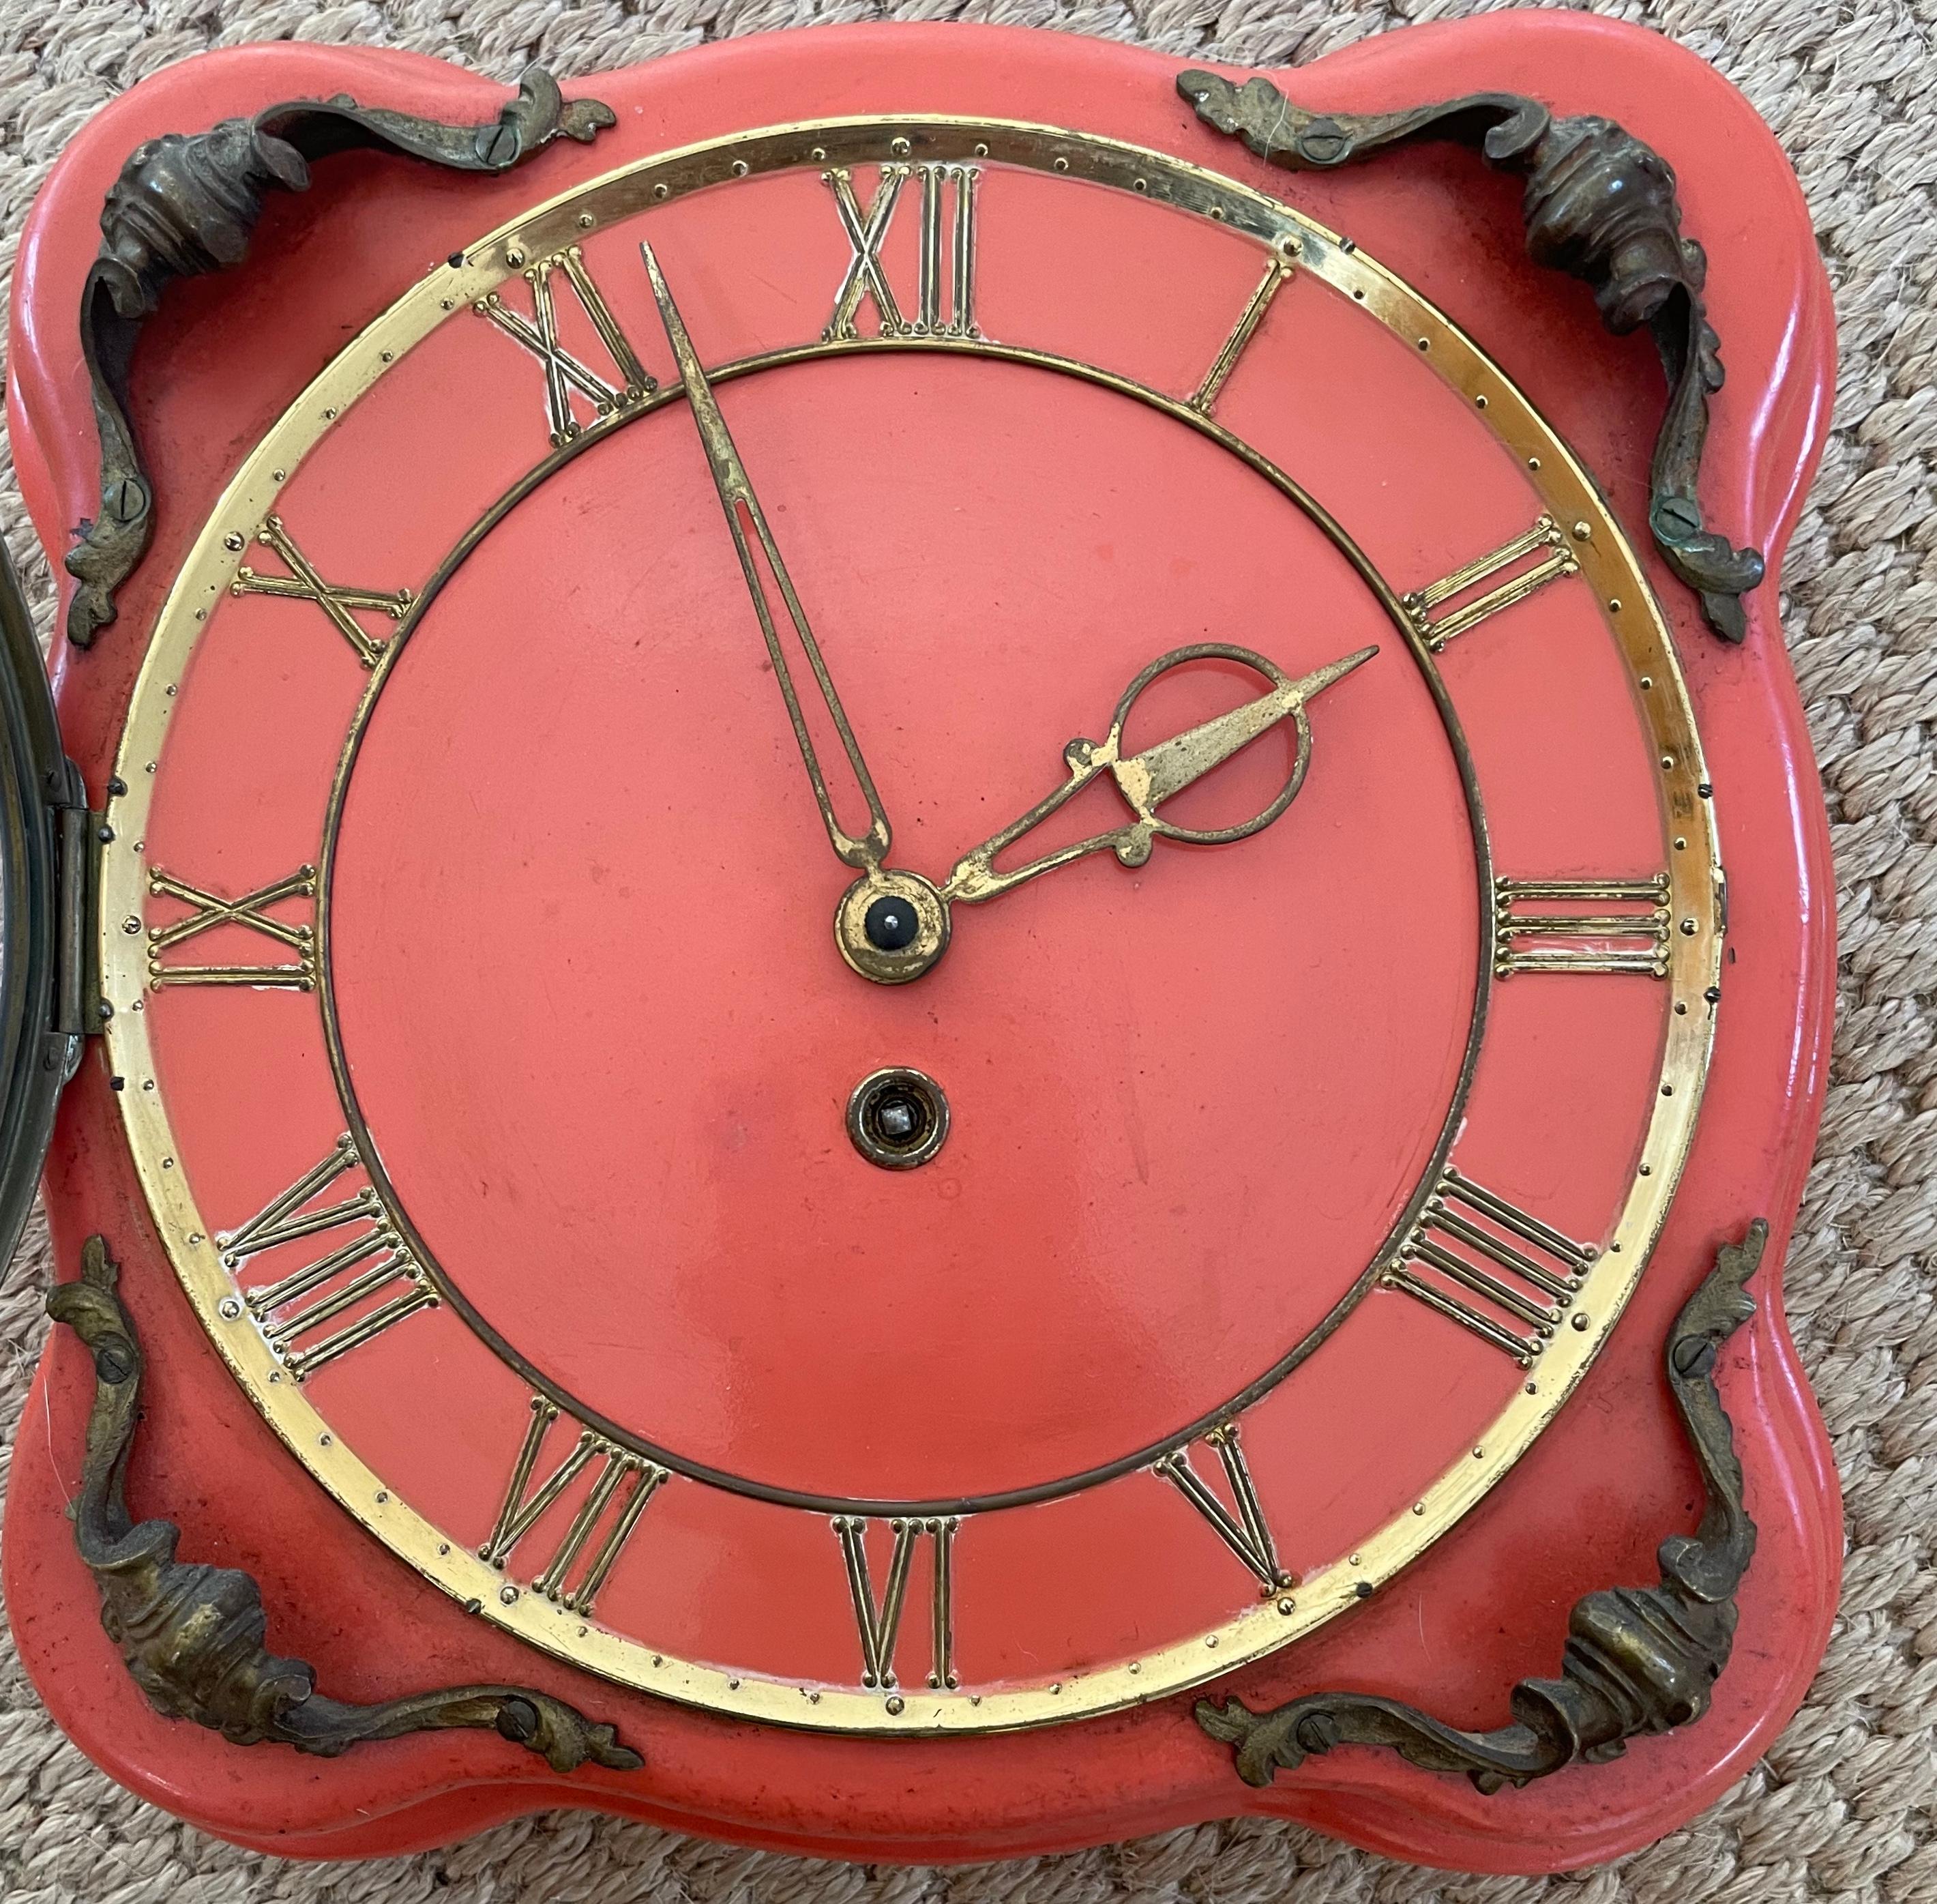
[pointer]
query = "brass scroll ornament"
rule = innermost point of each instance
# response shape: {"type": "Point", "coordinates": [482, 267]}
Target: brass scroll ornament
{"type": "Point", "coordinates": [186, 206]}
{"type": "Point", "coordinates": [1598, 205]}
{"type": "Point", "coordinates": [191, 1634]}
{"type": "Point", "coordinates": [1637, 1660]}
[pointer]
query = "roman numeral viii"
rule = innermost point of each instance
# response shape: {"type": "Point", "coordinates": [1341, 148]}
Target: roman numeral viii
{"type": "Point", "coordinates": [622, 1483]}
{"type": "Point", "coordinates": [208, 910]}
{"type": "Point", "coordinates": [567, 378]}
{"type": "Point", "coordinates": [1491, 582]}
{"type": "Point", "coordinates": [1246, 1532]}
{"type": "Point", "coordinates": [342, 1298]}
{"type": "Point", "coordinates": [942, 230]}
{"type": "Point", "coordinates": [1479, 1261]}
{"type": "Point", "coordinates": [880, 1620]}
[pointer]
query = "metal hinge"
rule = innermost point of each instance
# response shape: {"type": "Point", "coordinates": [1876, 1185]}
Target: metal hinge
{"type": "Point", "coordinates": [78, 836]}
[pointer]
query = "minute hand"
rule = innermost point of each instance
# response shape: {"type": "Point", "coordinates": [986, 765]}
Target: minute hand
{"type": "Point", "coordinates": [743, 512]}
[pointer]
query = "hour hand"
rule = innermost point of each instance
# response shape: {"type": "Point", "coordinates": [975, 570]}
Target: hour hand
{"type": "Point", "coordinates": [1148, 779]}
{"type": "Point", "coordinates": [747, 523]}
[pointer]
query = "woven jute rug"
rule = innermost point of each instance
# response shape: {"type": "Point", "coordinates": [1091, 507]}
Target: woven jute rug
{"type": "Point", "coordinates": [1845, 1807]}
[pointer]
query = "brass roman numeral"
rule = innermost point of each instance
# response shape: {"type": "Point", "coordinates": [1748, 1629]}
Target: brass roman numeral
{"type": "Point", "coordinates": [1544, 940]}
{"type": "Point", "coordinates": [1544, 541]}
{"type": "Point", "coordinates": [625, 1483]}
{"type": "Point", "coordinates": [335, 1283]}
{"type": "Point", "coordinates": [880, 1620]}
{"type": "Point", "coordinates": [302, 583]}
{"type": "Point", "coordinates": [210, 910]}
{"type": "Point", "coordinates": [1450, 1259]}
{"type": "Point", "coordinates": [1276, 274]}
{"type": "Point", "coordinates": [565, 375]}
{"type": "Point", "coordinates": [942, 231]}
{"type": "Point", "coordinates": [1246, 1533]}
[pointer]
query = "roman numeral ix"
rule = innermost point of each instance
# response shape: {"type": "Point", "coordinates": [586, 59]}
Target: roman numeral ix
{"type": "Point", "coordinates": [880, 1620]}
{"type": "Point", "coordinates": [1528, 562]}
{"type": "Point", "coordinates": [866, 276]}
{"type": "Point", "coordinates": [351, 1294]}
{"type": "Point", "coordinates": [566, 377]}
{"type": "Point", "coordinates": [1245, 1532]}
{"type": "Point", "coordinates": [1484, 1262]}
{"type": "Point", "coordinates": [1529, 935]}
{"type": "Point", "coordinates": [210, 910]}
{"type": "Point", "coordinates": [302, 583]}
{"type": "Point", "coordinates": [622, 1486]}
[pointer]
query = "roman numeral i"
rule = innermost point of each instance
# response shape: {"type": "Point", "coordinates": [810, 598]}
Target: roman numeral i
{"type": "Point", "coordinates": [342, 1298]}
{"type": "Point", "coordinates": [622, 1486]}
{"type": "Point", "coordinates": [1277, 272]}
{"type": "Point", "coordinates": [1484, 1262]}
{"type": "Point", "coordinates": [867, 278]}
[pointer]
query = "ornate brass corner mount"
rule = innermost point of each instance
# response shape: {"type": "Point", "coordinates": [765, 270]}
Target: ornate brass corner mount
{"type": "Point", "coordinates": [191, 1634]}
{"type": "Point", "coordinates": [1637, 1660]}
{"type": "Point", "coordinates": [185, 204]}
{"type": "Point", "coordinates": [1600, 206]}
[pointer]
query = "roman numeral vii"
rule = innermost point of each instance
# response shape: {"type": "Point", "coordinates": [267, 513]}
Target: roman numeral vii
{"type": "Point", "coordinates": [622, 1483]}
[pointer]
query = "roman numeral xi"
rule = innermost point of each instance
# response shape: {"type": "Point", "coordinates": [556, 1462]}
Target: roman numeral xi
{"type": "Point", "coordinates": [571, 384]}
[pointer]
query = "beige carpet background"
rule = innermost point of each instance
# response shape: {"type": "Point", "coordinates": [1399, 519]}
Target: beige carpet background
{"type": "Point", "coordinates": [1842, 1808]}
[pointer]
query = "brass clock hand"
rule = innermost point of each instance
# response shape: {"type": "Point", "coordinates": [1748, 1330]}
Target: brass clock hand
{"type": "Point", "coordinates": [744, 512]}
{"type": "Point", "coordinates": [1147, 779]}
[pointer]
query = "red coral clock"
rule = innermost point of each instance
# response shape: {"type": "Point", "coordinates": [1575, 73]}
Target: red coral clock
{"type": "Point", "coordinates": [708, 1215]}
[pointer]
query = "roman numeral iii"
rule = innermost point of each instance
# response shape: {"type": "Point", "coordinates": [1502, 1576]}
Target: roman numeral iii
{"type": "Point", "coordinates": [622, 1486]}
{"type": "Point", "coordinates": [302, 583]}
{"type": "Point", "coordinates": [209, 910]}
{"type": "Point", "coordinates": [1566, 925]}
{"type": "Point", "coordinates": [945, 258]}
{"type": "Point", "coordinates": [880, 1620]}
{"type": "Point", "coordinates": [1246, 1532]}
{"type": "Point", "coordinates": [1485, 1263]}
{"type": "Point", "coordinates": [1503, 576]}
{"type": "Point", "coordinates": [351, 1294]}
{"type": "Point", "coordinates": [567, 378]}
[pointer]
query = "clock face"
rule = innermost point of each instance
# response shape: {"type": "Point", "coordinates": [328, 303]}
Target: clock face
{"type": "Point", "coordinates": [866, 1290]}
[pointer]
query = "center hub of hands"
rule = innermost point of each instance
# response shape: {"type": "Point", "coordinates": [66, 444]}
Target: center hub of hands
{"type": "Point", "coordinates": [891, 925]}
